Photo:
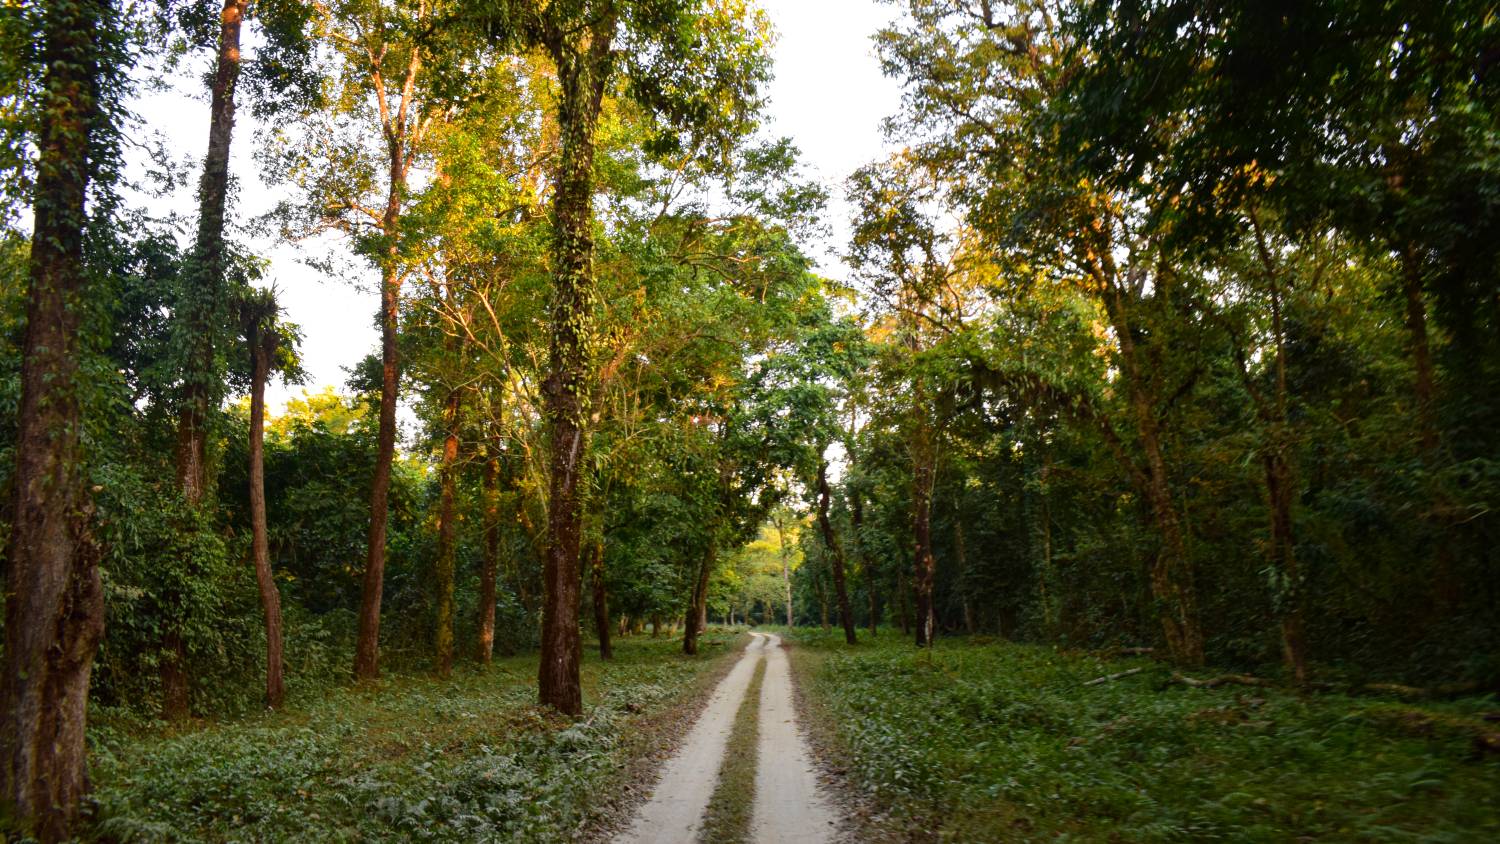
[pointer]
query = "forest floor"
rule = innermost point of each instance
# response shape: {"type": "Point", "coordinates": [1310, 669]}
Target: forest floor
{"type": "Point", "coordinates": [412, 757]}
{"type": "Point", "coordinates": [787, 806]}
{"type": "Point", "coordinates": [980, 740]}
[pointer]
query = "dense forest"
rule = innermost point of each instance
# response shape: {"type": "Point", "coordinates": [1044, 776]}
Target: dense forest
{"type": "Point", "coordinates": [1171, 329]}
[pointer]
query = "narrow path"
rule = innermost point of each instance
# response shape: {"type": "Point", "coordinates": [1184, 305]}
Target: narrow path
{"type": "Point", "coordinates": [789, 806]}
{"type": "Point", "coordinates": [675, 810]}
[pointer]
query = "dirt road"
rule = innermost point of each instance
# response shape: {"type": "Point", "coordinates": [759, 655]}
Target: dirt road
{"type": "Point", "coordinates": [789, 806]}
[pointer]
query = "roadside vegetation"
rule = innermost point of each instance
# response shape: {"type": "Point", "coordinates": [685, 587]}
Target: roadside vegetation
{"type": "Point", "coordinates": [983, 740]}
{"type": "Point", "coordinates": [412, 757]}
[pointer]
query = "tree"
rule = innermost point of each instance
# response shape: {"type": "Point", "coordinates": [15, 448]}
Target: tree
{"type": "Point", "coordinates": [394, 71]}
{"type": "Point", "coordinates": [258, 313]}
{"type": "Point", "coordinates": [695, 63]}
{"type": "Point", "coordinates": [54, 611]}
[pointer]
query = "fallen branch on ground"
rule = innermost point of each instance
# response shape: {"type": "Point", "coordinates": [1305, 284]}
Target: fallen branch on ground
{"type": "Point", "coordinates": [1222, 680]}
{"type": "Point", "coordinates": [1446, 690]}
{"type": "Point", "coordinates": [1108, 677]}
{"type": "Point", "coordinates": [1416, 722]}
{"type": "Point", "coordinates": [1135, 651]}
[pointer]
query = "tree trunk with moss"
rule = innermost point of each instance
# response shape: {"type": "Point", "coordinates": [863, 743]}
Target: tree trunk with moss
{"type": "Point", "coordinates": [54, 612]}
{"type": "Point", "coordinates": [583, 64]}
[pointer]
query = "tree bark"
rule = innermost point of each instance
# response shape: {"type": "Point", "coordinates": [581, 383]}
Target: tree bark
{"type": "Point", "coordinates": [488, 567]}
{"type": "Point", "coordinates": [206, 271]}
{"type": "Point", "coordinates": [202, 299]}
{"type": "Point", "coordinates": [398, 130]}
{"type": "Point", "coordinates": [836, 552]}
{"type": "Point", "coordinates": [367, 648]}
{"type": "Point", "coordinates": [857, 518]}
{"type": "Point", "coordinates": [698, 603]}
{"type": "Point", "coordinates": [903, 606]}
{"type": "Point", "coordinates": [963, 568]}
{"type": "Point", "coordinates": [601, 600]}
{"type": "Point", "coordinates": [1171, 572]}
{"type": "Point", "coordinates": [1424, 386]}
{"type": "Point", "coordinates": [263, 342]}
{"type": "Point", "coordinates": [924, 564]}
{"type": "Point", "coordinates": [1280, 479]}
{"type": "Point", "coordinates": [583, 70]}
{"type": "Point", "coordinates": [54, 612]}
{"type": "Point", "coordinates": [447, 534]}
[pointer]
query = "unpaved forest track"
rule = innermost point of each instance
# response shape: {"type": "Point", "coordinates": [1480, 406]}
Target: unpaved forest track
{"type": "Point", "coordinates": [789, 806]}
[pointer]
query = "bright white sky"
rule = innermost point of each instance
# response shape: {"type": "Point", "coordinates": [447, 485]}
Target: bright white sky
{"type": "Point", "coordinates": [828, 96]}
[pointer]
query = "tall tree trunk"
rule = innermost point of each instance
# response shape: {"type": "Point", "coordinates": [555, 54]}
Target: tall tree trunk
{"type": "Point", "coordinates": [447, 534]}
{"type": "Point", "coordinates": [963, 569]}
{"type": "Point", "coordinates": [1281, 490]}
{"type": "Point", "coordinates": [582, 73]}
{"type": "Point", "coordinates": [903, 606]}
{"type": "Point", "coordinates": [202, 299]}
{"type": "Point", "coordinates": [1172, 571]}
{"type": "Point", "coordinates": [488, 567]}
{"type": "Point", "coordinates": [857, 518]}
{"type": "Point", "coordinates": [1424, 386]}
{"type": "Point", "coordinates": [822, 593]}
{"type": "Point", "coordinates": [836, 551]}
{"type": "Point", "coordinates": [263, 342]}
{"type": "Point", "coordinates": [786, 579]}
{"type": "Point", "coordinates": [206, 271]}
{"type": "Point", "coordinates": [1045, 576]}
{"type": "Point", "coordinates": [367, 647]}
{"type": "Point", "coordinates": [601, 600]}
{"type": "Point", "coordinates": [1278, 471]}
{"type": "Point", "coordinates": [54, 612]}
{"type": "Point", "coordinates": [1446, 588]}
{"type": "Point", "coordinates": [698, 602]}
{"type": "Point", "coordinates": [924, 564]}
{"type": "Point", "coordinates": [401, 130]}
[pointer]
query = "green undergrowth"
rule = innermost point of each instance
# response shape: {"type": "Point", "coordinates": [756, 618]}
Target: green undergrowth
{"type": "Point", "coordinates": [727, 818]}
{"type": "Point", "coordinates": [412, 758]}
{"type": "Point", "coordinates": [984, 741]}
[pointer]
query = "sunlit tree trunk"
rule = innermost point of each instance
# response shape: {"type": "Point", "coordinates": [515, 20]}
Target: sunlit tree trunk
{"type": "Point", "coordinates": [399, 129]}
{"type": "Point", "coordinates": [583, 69]}
{"type": "Point", "coordinates": [206, 270]}
{"type": "Point", "coordinates": [263, 343]}
{"type": "Point", "coordinates": [447, 533]}
{"type": "Point", "coordinates": [202, 298]}
{"type": "Point", "coordinates": [54, 608]}
{"type": "Point", "coordinates": [490, 564]}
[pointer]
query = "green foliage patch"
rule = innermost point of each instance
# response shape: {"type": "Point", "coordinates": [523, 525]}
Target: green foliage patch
{"type": "Point", "coordinates": [978, 741]}
{"type": "Point", "coordinates": [412, 758]}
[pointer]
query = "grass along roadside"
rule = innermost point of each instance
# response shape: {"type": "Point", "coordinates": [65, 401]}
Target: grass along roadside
{"type": "Point", "coordinates": [727, 818]}
{"type": "Point", "coordinates": [995, 741]}
{"type": "Point", "coordinates": [409, 758]}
